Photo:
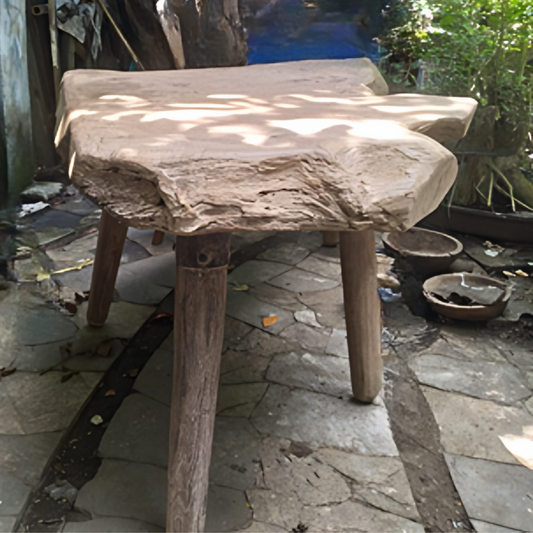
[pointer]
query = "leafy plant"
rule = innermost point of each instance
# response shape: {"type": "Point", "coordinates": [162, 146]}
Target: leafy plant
{"type": "Point", "coordinates": [482, 49]}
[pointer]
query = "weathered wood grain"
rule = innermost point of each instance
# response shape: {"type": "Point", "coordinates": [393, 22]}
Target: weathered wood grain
{"type": "Point", "coordinates": [198, 334]}
{"type": "Point", "coordinates": [363, 312]}
{"type": "Point", "coordinates": [290, 146]}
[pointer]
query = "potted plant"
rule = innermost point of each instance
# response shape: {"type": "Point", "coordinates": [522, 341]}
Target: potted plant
{"type": "Point", "coordinates": [482, 49]}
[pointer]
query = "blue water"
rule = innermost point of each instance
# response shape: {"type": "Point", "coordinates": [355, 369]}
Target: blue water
{"type": "Point", "coordinates": [290, 30]}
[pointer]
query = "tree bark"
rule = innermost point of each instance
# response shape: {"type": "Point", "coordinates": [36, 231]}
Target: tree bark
{"type": "Point", "coordinates": [212, 32]}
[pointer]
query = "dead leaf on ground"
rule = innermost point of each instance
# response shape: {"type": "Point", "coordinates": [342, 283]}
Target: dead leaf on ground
{"type": "Point", "coordinates": [79, 298]}
{"type": "Point", "coordinates": [67, 376]}
{"type": "Point", "coordinates": [64, 351]}
{"type": "Point", "coordinates": [104, 348]}
{"type": "Point", "coordinates": [509, 274]}
{"type": "Point", "coordinates": [270, 320]}
{"type": "Point", "coordinates": [96, 420]}
{"type": "Point", "coordinates": [522, 273]}
{"type": "Point", "coordinates": [110, 392]}
{"type": "Point", "coordinates": [70, 307]}
{"type": "Point", "coordinates": [162, 315]}
{"type": "Point", "coordinates": [240, 287]}
{"type": "Point", "coordinates": [58, 467]}
{"type": "Point", "coordinates": [4, 372]}
{"type": "Point", "coordinates": [133, 373]}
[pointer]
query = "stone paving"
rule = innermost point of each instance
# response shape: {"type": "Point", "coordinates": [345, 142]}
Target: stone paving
{"type": "Point", "coordinates": [292, 449]}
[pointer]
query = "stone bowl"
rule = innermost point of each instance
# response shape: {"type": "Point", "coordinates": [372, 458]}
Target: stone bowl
{"type": "Point", "coordinates": [464, 296]}
{"type": "Point", "coordinates": [429, 252]}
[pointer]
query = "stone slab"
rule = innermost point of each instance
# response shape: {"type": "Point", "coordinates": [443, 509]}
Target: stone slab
{"type": "Point", "coordinates": [308, 317]}
{"type": "Point", "coordinates": [79, 205]}
{"type": "Point", "coordinates": [485, 527]}
{"type": "Point", "coordinates": [234, 332]}
{"type": "Point", "coordinates": [242, 367]}
{"type": "Point", "coordinates": [264, 344]}
{"type": "Point", "coordinates": [138, 432]}
{"type": "Point", "coordinates": [10, 423]}
{"type": "Point", "coordinates": [235, 459]}
{"type": "Point", "coordinates": [379, 481]}
{"type": "Point", "coordinates": [254, 272]}
{"type": "Point", "coordinates": [328, 253]}
{"type": "Point", "coordinates": [508, 258]}
{"type": "Point", "coordinates": [155, 379]}
{"type": "Point", "coordinates": [13, 494]}
{"type": "Point", "coordinates": [276, 296]}
{"type": "Point", "coordinates": [90, 362]}
{"type": "Point", "coordinates": [138, 289]}
{"type": "Point", "coordinates": [318, 373]}
{"type": "Point", "coordinates": [123, 321]}
{"type": "Point", "coordinates": [43, 403]}
{"type": "Point", "coordinates": [25, 456]}
{"type": "Point", "coordinates": [309, 338]}
{"type": "Point", "coordinates": [160, 269]}
{"type": "Point", "coordinates": [239, 400]}
{"type": "Point", "coordinates": [328, 269]}
{"type": "Point", "coordinates": [127, 490]}
{"type": "Point", "coordinates": [493, 492]}
{"type": "Point", "coordinates": [297, 280]}
{"type": "Point", "coordinates": [290, 253]}
{"type": "Point", "coordinates": [471, 427]}
{"type": "Point", "coordinates": [7, 523]}
{"type": "Point", "coordinates": [227, 510]}
{"type": "Point", "coordinates": [328, 306]}
{"type": "Point", "coordinates": [40, 357]}
{"type": "Point", "coordinates": [261, 527]}
{"type": "Point", "coordinates": [111, 525]}
{"type": "Point", "coordinates": [338, 343]}
{"type": "Point", "coordinates": [41, 191]}
{"type": "Point", "coordinates": [343, 517]}
{"type": "Point", "coordinates": [251, 310]}
{"type": "Point", "coordinates": [144, 238]}
{"type": "Point", "coordinates": [321, 420]}
{"type": "Point", "coordinates": [467, 344]}
{"type": "Point", "coordinates": [481, 379]}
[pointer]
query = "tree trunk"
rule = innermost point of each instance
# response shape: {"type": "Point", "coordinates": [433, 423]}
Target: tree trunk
{"type": "Point", "coordinates": [212, 32]}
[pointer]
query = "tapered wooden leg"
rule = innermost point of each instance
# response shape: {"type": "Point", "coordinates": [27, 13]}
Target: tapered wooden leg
{"type": "Point", "coordinates": [158, 237]}
{"type": "Point", "coordinates": [111, 237]}
{"type": "Point", "coordinates": [363, 312]}
{"type": "Point", "coordinates": [202, 263]}
{"type": "Point", "coordinates": [330, 238]}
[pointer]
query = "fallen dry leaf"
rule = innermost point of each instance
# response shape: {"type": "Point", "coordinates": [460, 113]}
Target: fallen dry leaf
{"type": "Point", "coordinates": [104, 348]}
{"type": "Point", "coordinates": [270, 320]}
{"type": "Point", "coordinates": [521, 273]}
{"type": "Point", "coordinates": [67, 376]}
{"type": "Point", "coordinates": [4, 372]}
{"type": "Point", "coordinates": [96, 420]}
{"type": "Point", "coordinates": [58, 467]}
{"type": "Point", "coordinates": [70, 307]}
{"type": "Point", "coordinates": [110, 392]}
{"type": "Point", "coordinates": [240, 288]}
{"type": "Point", "coordinates": [64, 351]}
{"type": "Point", "coordinates": [509, 274]}
{"type": "Point", "coordinates": [133, 373]}
{"type": "Point", "coordinates": [163, 315]}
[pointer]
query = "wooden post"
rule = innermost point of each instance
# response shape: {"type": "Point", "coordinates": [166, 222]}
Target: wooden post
{"type": "Point", "coordinates": [363, 312]}
{"type": "Point", "coordinates": [158, 237]}
{"type": "Point", "coordinates": [330, 238]}
{"type": "Point", "coordinates": [111, 237]}
{"type": "Point", "coordinates": [200, 296]}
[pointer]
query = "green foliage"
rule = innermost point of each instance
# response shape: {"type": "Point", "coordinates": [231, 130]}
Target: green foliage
{"type": "Point", "coordinates": [477, 48]}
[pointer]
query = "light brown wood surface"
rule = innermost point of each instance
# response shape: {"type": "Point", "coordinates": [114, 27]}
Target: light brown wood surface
{"type": "Point", "coordinates": [289, 146]}
{"type": "Point", "coordinates": [200, 302]}
{"type": "Point", "coordinates": [363, 312]}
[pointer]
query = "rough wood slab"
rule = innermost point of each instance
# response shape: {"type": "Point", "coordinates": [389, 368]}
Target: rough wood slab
{"type": "Point", "coordinates": [288, 146]}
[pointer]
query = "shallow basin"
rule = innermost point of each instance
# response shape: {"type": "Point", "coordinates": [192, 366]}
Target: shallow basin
{"type": "Point", "coordinates": [429, 252]}
{"type": "Point", "coordinates": [464, 296]}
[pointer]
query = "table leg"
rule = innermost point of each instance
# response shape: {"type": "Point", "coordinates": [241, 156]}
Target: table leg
{"type": "Point", "coordinates": [330, 238]}
{"type": "Point", "coordinates": [111, 237]}
{"type": "Point", "coordinates": [363, 312]}
{"type": "Point", "coordinates": [198, 335]}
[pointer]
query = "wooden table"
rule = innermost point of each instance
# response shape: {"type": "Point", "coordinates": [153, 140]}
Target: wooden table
{"type": "Point", "coordinates": [313, 145]}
